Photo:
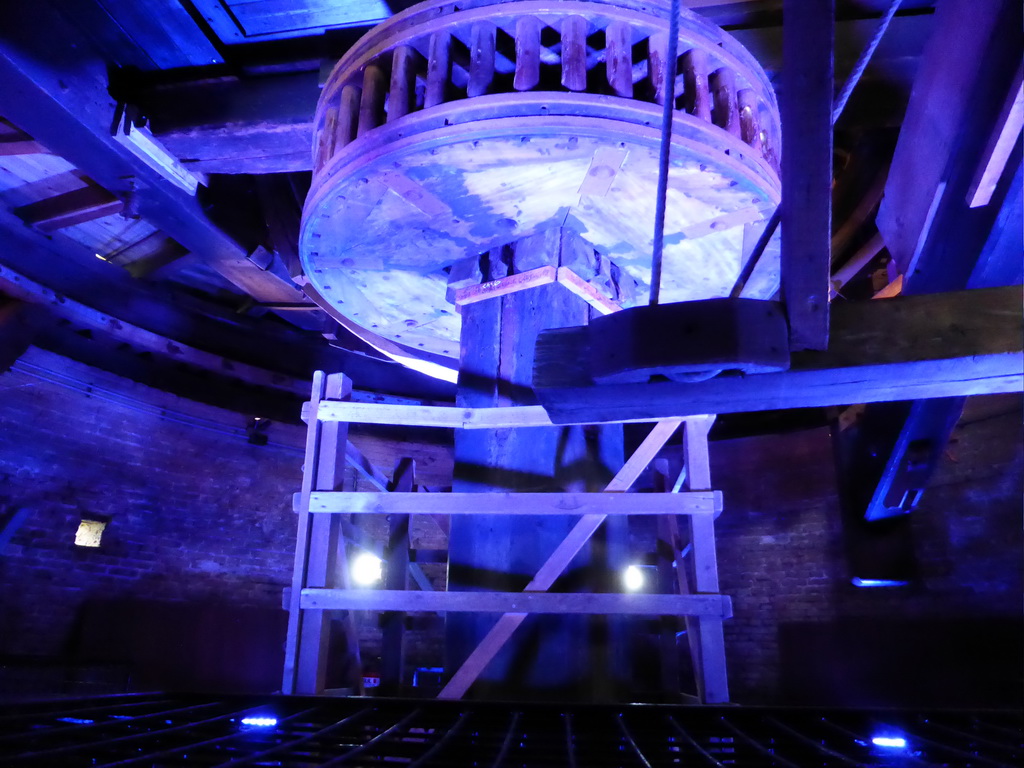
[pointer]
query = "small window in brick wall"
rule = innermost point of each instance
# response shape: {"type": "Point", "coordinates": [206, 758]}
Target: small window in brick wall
{"type": "Point", "coordinates": [89, 533]}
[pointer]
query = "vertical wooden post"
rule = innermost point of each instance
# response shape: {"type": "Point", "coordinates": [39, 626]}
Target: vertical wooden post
{"type": "Point", "coordinates": [750, 125]}
{"type": "Point", "coordinates": [481, 58]}
{"type": "Point", "coordinates": [328, 138]}
{"type": "Point", "coordinates": [806, 110]}
{"type": "Point", "coordinates": [325, 544]}
{"type": "Point", "coordinates": [527, 53]}
{"type": "Point", "coordinates": [397, 565]}
{"type": "Point", "coordinates": [371, 105]}
{"type": "Point", "coordinates": [618, 52]}
{"type": "Point", "coordinates": [666, 553]}
{"type": "Point", "coordinates": [403, 82]}
{"type": "Point", "coordinates": [574, 53]}
{"type": "Point", "coordinates": [714, 684]}
{"type": "Point", "coordinates": [658, 68]}
{"type": "Point", "coordinates": [439, 69]}
{"type": "Point", "coordinates": [348, 115]}
{"type": "Point", "coordinates": [696, 98]}
{"type": "Point", "coordinates": [725, 111]}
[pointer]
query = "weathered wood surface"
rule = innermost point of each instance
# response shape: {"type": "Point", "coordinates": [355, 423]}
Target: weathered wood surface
{"type": "Point", "coordinates": [71, 208]}
{"type": "Point", "coordinates": [519, 603]}
{"type": "Point", "coordinates": [938, 345]}
{"type": "Point", "coordinates": [500, 633]}
{"type": "Point", "coordinates": [490, 147]}
{"type": "Point", "coordinates": [496, 503]}
{"type": "Point", "coordinates": [396, 579]}
{"type": "Point", "coordinates": [808, 56]}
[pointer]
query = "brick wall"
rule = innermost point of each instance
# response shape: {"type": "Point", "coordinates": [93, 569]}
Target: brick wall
{"type": "Point", "coordinates": [803, 633]}
{"type": "Point", "coordinates": [186, 589]}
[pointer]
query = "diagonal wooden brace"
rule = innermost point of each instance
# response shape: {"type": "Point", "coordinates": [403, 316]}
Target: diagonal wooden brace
{"type": "Point", "coordinates": [493, 642]}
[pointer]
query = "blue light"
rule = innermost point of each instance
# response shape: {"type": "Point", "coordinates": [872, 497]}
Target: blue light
{"type": "Point", "coordinates": [859, 582]}
{"type": "Point", "coordinates": [890, 742]}
{"type": "Point", "coordinates": [260, 722]}
{"type": "Point", "coordinates": [75, 720]}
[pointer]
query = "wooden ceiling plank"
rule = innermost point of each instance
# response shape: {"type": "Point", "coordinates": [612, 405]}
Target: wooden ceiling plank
{"type": "Point", "coordinates": [71, 208]}
{"type": "Point", "coordinates": [57, 92]}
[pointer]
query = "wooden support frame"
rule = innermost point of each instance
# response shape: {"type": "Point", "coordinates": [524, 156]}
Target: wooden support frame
{"type": "Point", "coordinates": [320, 557]}
{"type": "Point", "coordinates": [518, 603]}
{"type": "Point", "coordinates": [594, 508]}
{"type": "Point", "coordinates": [692, 503]}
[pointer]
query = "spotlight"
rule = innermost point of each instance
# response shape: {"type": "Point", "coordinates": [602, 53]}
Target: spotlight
{"type": "Point", "coordinates": [367, 569]}
{"type": "Point", "coordinates": [889, 742]}
{"type": "Point", "coordinates": [633, 578]}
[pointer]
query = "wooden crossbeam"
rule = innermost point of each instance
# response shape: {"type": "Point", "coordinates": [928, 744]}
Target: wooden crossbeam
{"type": "Point", "coordinates": [936, 345]}
{"type": "Point", "coordinates": [71, 208]}
{"type": "Point", "coordinates": [518, 603]}
{"type": "Point", "coordinates": [694, 503]}
{"type": "Point", "coordinates": [558, 561]}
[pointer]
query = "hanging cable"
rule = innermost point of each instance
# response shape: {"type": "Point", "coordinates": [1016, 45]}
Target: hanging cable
{"type": "Point", "coordinates": [665, 153]}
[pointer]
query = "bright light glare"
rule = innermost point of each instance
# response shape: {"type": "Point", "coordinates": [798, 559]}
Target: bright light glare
{"type": "Point", "coordinates": [633, 578]}
{"type": "Point", "coordinates": [367, 570]}
{"type": "Point", "coordinates": [260, 722]}
{"type": "Point", "coordinates": [893, 742]}
{"type": "Point", "coordinates": [859, 582]}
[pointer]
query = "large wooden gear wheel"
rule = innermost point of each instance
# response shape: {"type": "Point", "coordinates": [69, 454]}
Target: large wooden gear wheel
{"type": "Point", "coordinates": [452, 129]}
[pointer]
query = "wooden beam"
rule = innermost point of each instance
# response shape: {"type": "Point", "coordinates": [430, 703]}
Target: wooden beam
{"type": "Point", "coordinates": [396, 579]}
{"type": "Point", "coordinates": [694, 503]}
{"type": "Point", "coordinates": [558, 561]}
{"type": "Point", "coordinates": [808, 40]}
{"type": "Point", "coordinates": [518, 603]}
{"type": "Point", "coordinates": [76, 207]}
{"type": "Point", "coordinates": [1004, 137]}
{"type": "Point", "coordinates": [937, 345]}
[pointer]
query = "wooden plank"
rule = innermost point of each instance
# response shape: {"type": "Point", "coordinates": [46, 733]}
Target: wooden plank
{"type": "Point", "coordinates": [371, 101]}
{"type": "Point", "coordinates": [586, 291]}
{"type": "Point", "coordinates": [558, 561]}
{"type": "Point", "coordinates": [289, 684]}
{"type": "Point", "coordinates": [326, 564]}
{"type": "Point", "coordinates": [527, 74]}
{"type": "Point", "coordinates": [618, 53]}
{"type": "Point", "coordinates": [518, 603]}
{"type": "Point", "coordinates": [936, 345]}
{"type": "Point", "coordinates": [506, 285]}
{"type": "Point", "coordinates": [713, 685]}
{"type": "Point", "coordinates": [439, 69]}
{"type": "Point", "coordinates": [806, 111]}
{"type": "Point", "coordinates": [996, 154]}
{"type": "Point", "coordinates": [75, 207]}
{"type": "Point", "coordinates": [725, 112]}
{"type": "Point", "coordinates": [496, 503]}
{"type": "Point", "coordinates": [657, 65]}
{"type": "Point", "coordinates": [750, 126]}
{"type": "Point", "coordinates": [696, 96]}
{"type": "Point", "coordinates": [396, 579]}
{"type": "Point", "coordinates": [402, 97]}
{"type": "Point", "coordinates": [365, 467]}
{"type": "Point", "coordinates": [481, 58]}
{"type": "Point", "coordinates": [574, 52]}
{"type": "Point", "coordinates": [17, 147]}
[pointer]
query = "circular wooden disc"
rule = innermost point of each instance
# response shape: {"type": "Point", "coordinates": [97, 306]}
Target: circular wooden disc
{"type": "Point", "coordinates": [399, 205]}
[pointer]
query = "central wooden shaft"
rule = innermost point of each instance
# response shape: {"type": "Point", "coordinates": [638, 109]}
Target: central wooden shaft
{"type": "Point", "coordinates": [548, 655]}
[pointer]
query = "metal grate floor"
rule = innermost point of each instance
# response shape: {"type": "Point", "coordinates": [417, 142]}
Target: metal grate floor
{"type": "Point", "coordinates": [171, 730]}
